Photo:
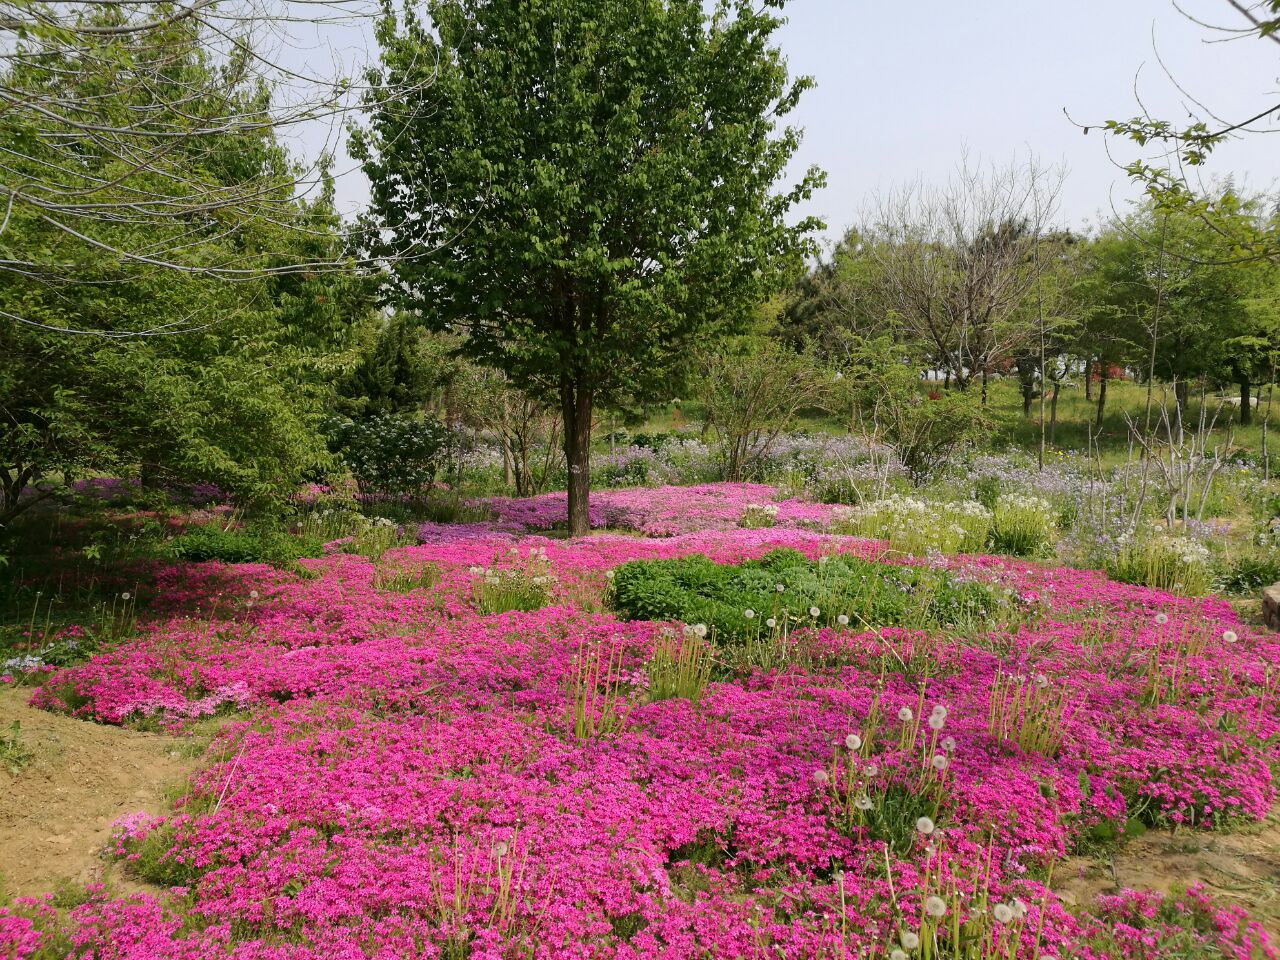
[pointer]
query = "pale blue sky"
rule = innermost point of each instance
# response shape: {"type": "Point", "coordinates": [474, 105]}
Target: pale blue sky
{"type": "Point", "coordinates": [903, 89]}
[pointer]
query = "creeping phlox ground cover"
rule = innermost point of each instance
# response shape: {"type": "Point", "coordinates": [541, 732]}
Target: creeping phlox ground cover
{"type": "Point", "coordinates": [413, 766]}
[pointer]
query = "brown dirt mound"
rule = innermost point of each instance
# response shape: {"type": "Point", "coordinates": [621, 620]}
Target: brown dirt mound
{"type": "Point", "coordinates": [56, 812]}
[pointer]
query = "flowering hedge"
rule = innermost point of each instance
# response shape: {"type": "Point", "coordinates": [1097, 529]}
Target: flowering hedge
{"type": "Point", "coordinates": [405, 777]}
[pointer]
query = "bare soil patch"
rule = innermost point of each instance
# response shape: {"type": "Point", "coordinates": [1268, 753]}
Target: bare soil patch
{"type": "Point", "coordinates": [56, 813]}
{"type": "Point", "coordinates": [1240, 867]}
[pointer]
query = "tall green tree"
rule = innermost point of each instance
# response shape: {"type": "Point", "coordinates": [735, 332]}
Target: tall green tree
{"type": "Point", "coordinates": [587, 187]}
{"type": "Point", "coordinates": [175, 373]}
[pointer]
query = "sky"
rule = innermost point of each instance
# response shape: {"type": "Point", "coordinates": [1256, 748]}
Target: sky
{"type": "Point", "coordinates": [904, 90]}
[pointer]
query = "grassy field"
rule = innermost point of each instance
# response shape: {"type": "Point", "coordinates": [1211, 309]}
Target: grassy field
{"type": "Point", "coordinates": [1076, 419]}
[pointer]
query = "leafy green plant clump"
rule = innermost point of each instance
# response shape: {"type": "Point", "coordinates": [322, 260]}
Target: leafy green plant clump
{"type": "Point", "coordinates": [279, 549]}
{"type": "Point", "coordinates": [832, 591]}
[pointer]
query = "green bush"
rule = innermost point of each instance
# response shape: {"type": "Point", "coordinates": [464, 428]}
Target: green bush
{"type": "Point", "coordinates": [845, 590]}
{"type": "Point", "coordinates": [1247, 574]}
{"type": "Point", "coordinates": [279, 549]}
{"type": "Point", "coordinates": [391, 453]}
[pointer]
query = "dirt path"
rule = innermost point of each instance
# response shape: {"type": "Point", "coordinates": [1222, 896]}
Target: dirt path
{"type": "Point", "coordinates": [1237, 867]}
{"type": "Point", "coordinates": [55, 814]}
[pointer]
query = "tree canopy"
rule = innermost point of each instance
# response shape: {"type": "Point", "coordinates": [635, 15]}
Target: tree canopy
{"type": "Point", "coordinates": [599, 179]}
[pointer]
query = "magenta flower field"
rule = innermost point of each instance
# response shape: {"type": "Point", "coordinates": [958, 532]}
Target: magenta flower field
{"type": "Point", "coordinates": [403, 775]}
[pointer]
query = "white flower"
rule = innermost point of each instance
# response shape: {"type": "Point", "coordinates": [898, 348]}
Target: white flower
{"type": "Point", "coordinates": [1229, 636]}
{"type": "Point", "coordinates": [936, 722]}
{"type": "Point", "coordinates": [814, 611]}
{"type": "Point", "coordinates": [500, 849]}
{"type": "Point", "coordinates": [939, 711]}
{"type": "Point", "coordinates": [780, 587]}
{"type": "Point", "coordinates": [896, 954]}
{"type": "Point", "coordinates": [853, 742]}
{"type": "Point", "coordinates": [700, 629]}
{"type": "Point", "coordinates": [1002, 913]}
{"type": "Point", "coordinates": [609, 574]}
{"type": "Point", "coordinates": [125, 596]}
{"type": "Point", "coordinates": [873, 770]}
{"type": "Point", "coordinates": [1019, 908]}
{"type": "Point", "coordinates": [935, 906]}
{"type": "Point", "coordinates": [939, 762]}
{"type": "Point", "coordinates": [842, 620]}
{"type": "Point", "coordinates": [905, 714]}
{"type": "Point", "coordinates": [925, 826]}
{"type": "Point", "coordinates": [253, 594]}
{"type": "Point", "coordinates": [748, 613]}
{"type": "Point", "coordinates": [771, 623]}
{"type": "Point", "coordinates": [949, 744]}
{"type": "Point", "coordinates": [910, 940]}
{"type": "Point", "coordinates": [863, 802]}
{"type": "Point", "coordinates": [821, 776]}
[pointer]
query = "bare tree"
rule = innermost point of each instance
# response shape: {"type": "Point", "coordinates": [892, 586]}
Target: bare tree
{"type": "Point", "coordinates": [957, 262]}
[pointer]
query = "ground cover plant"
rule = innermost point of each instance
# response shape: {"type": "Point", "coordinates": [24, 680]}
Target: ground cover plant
{"type": "Point", "coordinates": [498, 744]}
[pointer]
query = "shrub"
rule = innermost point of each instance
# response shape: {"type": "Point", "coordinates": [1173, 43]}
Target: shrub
{"type": "Point", "coordinates": [1023, 526]}
{"type": "Point", "coordinates": [199, 544]}
{"type": "Point", "coordinates": [391, 453]}
{"type": "Point", "coordinates": [738, 602]}
{"type": "Point", "coordinates": [1249, 573]}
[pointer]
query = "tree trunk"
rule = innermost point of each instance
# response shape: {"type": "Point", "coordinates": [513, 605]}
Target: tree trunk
{"type": "Point", "coordinates": [508, 473]}
{"type": "Point", "coordinates": [1102, 392]}
{"type": "Point", "coordinates": [1088, 378]}
{"type": "Point", "coordinates": [984, 388]}
{"type": "Point", "coordinates": [1246, 411]}
{"type": "Point", "coordinates": [1053, 411]}
{"type": "Point", "coordinates": [575, 406]}
{"type": "Point", "coordinates": [1182, 393]}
